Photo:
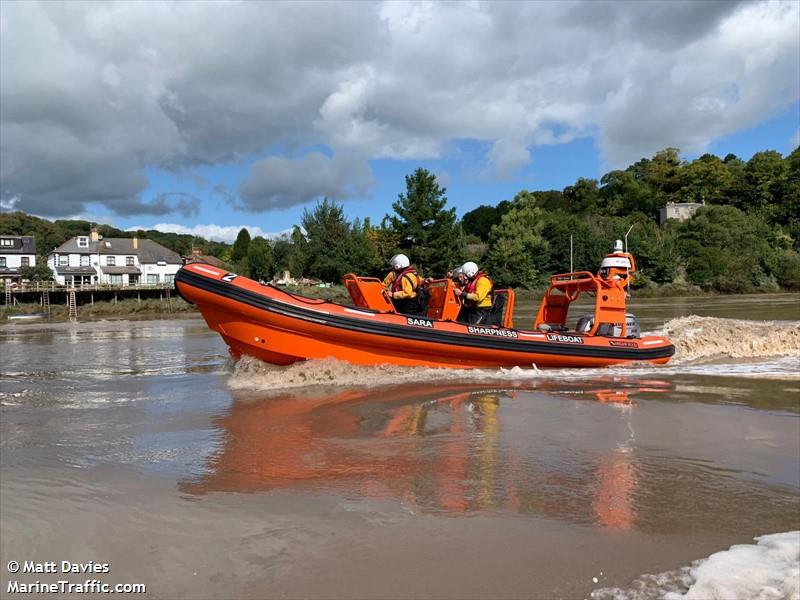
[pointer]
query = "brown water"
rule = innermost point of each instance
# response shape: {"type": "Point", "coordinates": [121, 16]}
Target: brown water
{"type": "Point", "coordinates": [138, 444]}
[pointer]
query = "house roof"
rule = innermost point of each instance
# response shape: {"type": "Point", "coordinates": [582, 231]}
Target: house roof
{"type": "Point", "coordinates": [149, 252]}
{"type": "Point", "coordinates": [211, 260]}
{"type": "Point", "coordinates": [23, 244]}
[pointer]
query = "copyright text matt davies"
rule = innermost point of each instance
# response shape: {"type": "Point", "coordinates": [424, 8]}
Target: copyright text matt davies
{"type": "Point", "coordinates": [57, 566]}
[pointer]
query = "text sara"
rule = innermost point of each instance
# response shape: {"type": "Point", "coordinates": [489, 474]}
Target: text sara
{"type": "Point", "coordinates": [64, 566]}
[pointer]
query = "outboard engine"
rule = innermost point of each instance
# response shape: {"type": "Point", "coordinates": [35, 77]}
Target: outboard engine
{"type": "Point", "coordinates": [586, 322]}
{"type": "Point", "coordinates": [632, 326]}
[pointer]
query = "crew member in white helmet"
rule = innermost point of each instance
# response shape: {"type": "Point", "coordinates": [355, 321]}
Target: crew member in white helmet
{"type": "Point", "coordinates": [403, 283]}
{"type": "Point", "coordinates": [476, 295]}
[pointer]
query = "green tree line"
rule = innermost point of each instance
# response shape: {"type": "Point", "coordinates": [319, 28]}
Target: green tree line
{"type": "Point", "coordinates": [745, 237]}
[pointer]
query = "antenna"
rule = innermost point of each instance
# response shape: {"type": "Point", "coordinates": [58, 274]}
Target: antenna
{"type": "Point", "coordinates": [626, 237]}
{"type": "Point", "coordinates": [627, 271]}
{"type": "Point", "coordinates": [570, 253]}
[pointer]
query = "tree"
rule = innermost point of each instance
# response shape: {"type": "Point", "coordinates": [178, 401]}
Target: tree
{"type": "Point", "coordinates": [728, 250]}
{"type": "Point", "coordinates": [479, 221]}
{"type": "Point", "coordinates": [706, 179]}
{"type": "Point", "coordinates": [622, 194]}
{"type": "Point", "coordinates": [327, 241]}
{"type": "Point", "coordinates": [384, 240]}
{"type": "Point", "coordinates": [259, 259]}
{"type": "Point", "coordinates": [587, 246]}
{"type": "Point", "coordinates": [281, 251]}
{"type": "Point", "coordinates": [360, 251]}
{"type": "Point", "coordinates": [583, 196]}
{"type": "Point", "coordinates": [517, 249]}
{"type": "Point", "coordinates": [427, 231]}
{"type": "Point", "coordinates": [788, 272]}
{"type": "Point", "coordinates": [764, 173]}
{"type": "Point", "coordinates": [39, 272]}
{"type": "Point", "coordinates": [240, 246]}
{"type": "Point", "coordinates": [297, 259]}
{"type": "Point", "coordinates": [786, 196]}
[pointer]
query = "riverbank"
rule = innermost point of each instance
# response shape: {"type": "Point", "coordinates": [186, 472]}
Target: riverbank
{"type": "Point", "coordinates": [526, 300]}
{"type": "Point", "coordinates": [122, 309]}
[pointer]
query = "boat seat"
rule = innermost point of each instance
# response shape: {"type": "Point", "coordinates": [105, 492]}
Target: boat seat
{"type": "Point", "coordinates": [424, 298]}
{"type": "Point", "coordinates": [495, 317]}
{"type": "Point", "coordinates": [441, 302]}
{"type": "Point", "coordinates": [368, 292]}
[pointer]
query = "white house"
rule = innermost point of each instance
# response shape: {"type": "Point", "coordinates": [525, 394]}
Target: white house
{"type": "Point", "coordinates": [678, 210]}
{"type": "Point", "coordinates": [115, 261]}
{"type": "Point", "coordinates": [16, 251]}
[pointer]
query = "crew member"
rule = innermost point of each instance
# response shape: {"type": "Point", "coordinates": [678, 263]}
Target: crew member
{"type": "Point", "coordinates": [403, 283]}
{"type": "Point", "coordinates": [476, 295]}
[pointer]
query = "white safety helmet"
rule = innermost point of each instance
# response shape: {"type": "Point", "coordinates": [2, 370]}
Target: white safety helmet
{"type": "Point", "coordinates": [470, 269]}
{"type": "Point", "coordinates": [399, 261]}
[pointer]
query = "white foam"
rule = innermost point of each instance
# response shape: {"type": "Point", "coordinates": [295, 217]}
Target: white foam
{"type": "Point", "coordinates": [704, 346]}
{"type": "Point", "coordinates": [767, 570]}
{"type": "Point", "coordinates": [702, 338]}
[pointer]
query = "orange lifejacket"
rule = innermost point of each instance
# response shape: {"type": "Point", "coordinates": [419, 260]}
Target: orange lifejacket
{"type": "Point", "coordinates": [397, 283]}
{"type": "Point", "coordinates": [472, 287]}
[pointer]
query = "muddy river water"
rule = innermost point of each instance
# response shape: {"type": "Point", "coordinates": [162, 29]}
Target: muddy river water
{"type": "Point", "coordinates": [137, 446]}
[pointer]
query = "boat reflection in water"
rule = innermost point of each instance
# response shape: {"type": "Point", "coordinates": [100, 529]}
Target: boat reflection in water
{"type": "Point", "coordinates": [454, 450]}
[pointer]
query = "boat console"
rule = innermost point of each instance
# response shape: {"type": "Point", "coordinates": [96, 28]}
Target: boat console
{"type": "Point", "coordinates": [611, 290]}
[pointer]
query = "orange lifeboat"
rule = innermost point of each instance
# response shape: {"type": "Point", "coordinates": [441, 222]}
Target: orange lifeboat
{"type": "Point", "coordinates": [279, 327]}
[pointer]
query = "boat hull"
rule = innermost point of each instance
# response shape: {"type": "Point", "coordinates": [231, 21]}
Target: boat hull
{"type": "Point", "coordinates": [277, 327]}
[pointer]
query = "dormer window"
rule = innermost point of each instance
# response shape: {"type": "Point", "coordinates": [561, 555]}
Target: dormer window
{"type": "Point", "coordinates": [83, 242]}
{"type": "Point", "coordinates": [6, 243]}
{"type": "Point", "coordinates": [108, 244]}
{"type": "Point", "coordinates": [162, 263]}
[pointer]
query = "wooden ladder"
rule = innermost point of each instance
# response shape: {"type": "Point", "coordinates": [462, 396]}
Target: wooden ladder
{"type": "Point", "coordinates": [8, 293]}
{"type": "Point", "coordinates": [46, 302]}
{"type": "Point", "coordinates": [72, 305]}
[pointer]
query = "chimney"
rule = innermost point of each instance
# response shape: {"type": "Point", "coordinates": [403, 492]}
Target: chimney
{"type": "Point", "coordinates": [135, 242]}
{"type": "Point", "coordinates": [94, 235]}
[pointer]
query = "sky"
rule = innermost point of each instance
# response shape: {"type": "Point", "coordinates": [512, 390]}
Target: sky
{"type": "Point", "coordinates": [203, 117]}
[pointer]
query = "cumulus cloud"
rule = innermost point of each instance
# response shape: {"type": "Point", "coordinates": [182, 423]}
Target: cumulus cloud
{"type": "Point", "coordinates": [94, 94]}
{"type": "Point", "coordinates": [277, 182]}
{"type": "Point", "coordinates": [214, 233]}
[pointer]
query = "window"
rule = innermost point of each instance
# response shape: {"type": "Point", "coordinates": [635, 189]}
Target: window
{"type": "Point", "coordinates": [152, 279]}
{"type": "Point", "coordinates": [83, 242]}
{"type": "Point", "coordinates": [162, 263]}
{"type": "Point", "coordinates": [5, 242]}
{"type": "Point", "coordinates": [25, 261]}
{"type": "Point", "coordinates": [2, 261]}
{"type": "Point", "coordinates": [84, 260]}
{"type": "Point", "coordinates": [63, 260]}
{"type": "Point", "coordinates": [115, 279]}
{"type": "Point", "coordinates": [169, 279]}
{"type": "Point", "coordinates": [129, 261]}
{"type": "Point", "coordinates": [111, 261]}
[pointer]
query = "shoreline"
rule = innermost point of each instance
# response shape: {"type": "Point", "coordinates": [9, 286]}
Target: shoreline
{"type": "Point", "coordinates": [177, 308]}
